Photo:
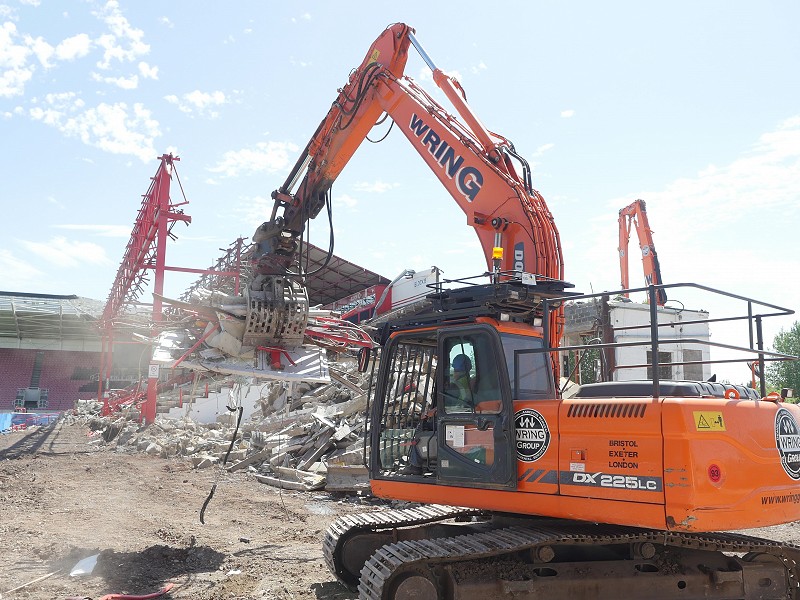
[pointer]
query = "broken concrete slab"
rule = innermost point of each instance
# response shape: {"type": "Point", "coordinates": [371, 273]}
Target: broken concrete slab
{"type": "Point", "coordinates": [347, 479]}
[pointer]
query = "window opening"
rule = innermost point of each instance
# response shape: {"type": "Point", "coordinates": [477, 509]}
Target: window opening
{"type": "Point", "coordinates": [528, 368]}
{"type": "Point", "coordinates": [664, 368]}
{"type": "Point", "coordinates": [407, 442]}
{"type": "Point", "coordinates": [472, 381]}
{"type": "Point", "coordinates": [693, 372]}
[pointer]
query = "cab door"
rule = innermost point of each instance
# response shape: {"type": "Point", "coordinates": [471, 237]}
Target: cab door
{"type": "Point", "coordinates": [474, 432]}
{"type": "Point", "coordinates": [535, 410]}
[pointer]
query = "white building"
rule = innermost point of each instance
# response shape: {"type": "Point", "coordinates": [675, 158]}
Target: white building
{"type": "Point", "coordinates": [683, 338]}
{"type": "Point", "coordinates": [675, 345]}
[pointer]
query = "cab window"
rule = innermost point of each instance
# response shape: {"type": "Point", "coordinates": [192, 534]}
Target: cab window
{"type": "Point", "coordinates": [528, 368]}
{"type": "Point", "coordinates": [471, 378]}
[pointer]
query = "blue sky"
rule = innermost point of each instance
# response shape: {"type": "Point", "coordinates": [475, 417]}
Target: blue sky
{"type": "Point", "coordinates": [692, 106]}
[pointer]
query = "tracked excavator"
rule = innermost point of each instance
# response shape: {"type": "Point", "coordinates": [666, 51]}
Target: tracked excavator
{"type": "Point", "coordinates": [627, 488]}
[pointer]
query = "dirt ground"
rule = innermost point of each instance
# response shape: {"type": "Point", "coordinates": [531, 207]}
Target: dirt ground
{"type": "Point", "coordinates": [63, 499]}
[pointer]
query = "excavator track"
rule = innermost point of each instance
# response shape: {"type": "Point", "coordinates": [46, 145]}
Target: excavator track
{"type": "Point", "coordinates": [358, 530]}
{"type": "Point", "coordinates": [557, 559]}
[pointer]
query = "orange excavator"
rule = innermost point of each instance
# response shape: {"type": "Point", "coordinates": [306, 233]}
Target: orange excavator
{"type": "Point", "coordinates": [627, 487]}
{"type": "Point", "coordinates": [635, 214]}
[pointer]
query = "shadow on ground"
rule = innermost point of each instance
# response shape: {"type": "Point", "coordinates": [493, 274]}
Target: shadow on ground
{"type": "Point", "coordinates": [30, 443]}
{"type": "Point", "coordinates": [331, 590]}
{"type": "Point", "coordinates": [154, 566]}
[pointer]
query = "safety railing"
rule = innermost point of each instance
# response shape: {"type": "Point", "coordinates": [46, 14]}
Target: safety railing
{"type": "Point", "coordinates": [754, 312]}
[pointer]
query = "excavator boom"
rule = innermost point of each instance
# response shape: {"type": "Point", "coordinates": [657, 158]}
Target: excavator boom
{"type": "Point", "coordinates": [481, 171]}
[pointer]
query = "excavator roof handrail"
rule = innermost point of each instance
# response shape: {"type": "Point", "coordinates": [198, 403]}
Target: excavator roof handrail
{"type": "Point", "coordinates": [781, 311]}
{"type": "Point", "coordinates": [755, 351]}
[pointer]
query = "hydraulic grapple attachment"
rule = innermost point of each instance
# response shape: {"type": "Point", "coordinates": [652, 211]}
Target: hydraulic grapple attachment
{"type": "Point", "coordinates": [277, 312]}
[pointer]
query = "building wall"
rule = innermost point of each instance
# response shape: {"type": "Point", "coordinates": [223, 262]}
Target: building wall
{"type": "Point", "coordinates": [627, 314]}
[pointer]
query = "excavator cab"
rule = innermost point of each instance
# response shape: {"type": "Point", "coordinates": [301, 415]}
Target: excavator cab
{"type": "Point", "coordinates": [440, 423]}
{"type": "Point", "coordinates": [446, 392]}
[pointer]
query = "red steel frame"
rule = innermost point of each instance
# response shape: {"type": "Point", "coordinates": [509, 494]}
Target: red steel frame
{"type": "Point", "coordinates": [146, 250]}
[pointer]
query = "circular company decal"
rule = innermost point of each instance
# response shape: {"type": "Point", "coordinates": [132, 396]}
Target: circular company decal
{"type": "Point", "coordinates": [787, 438]}
{"type": "Point", "coordinates": [532, 433]}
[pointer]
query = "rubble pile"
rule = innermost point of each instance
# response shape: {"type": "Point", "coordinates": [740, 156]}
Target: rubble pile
{"type": "Point", "coordinates": [301, 436]}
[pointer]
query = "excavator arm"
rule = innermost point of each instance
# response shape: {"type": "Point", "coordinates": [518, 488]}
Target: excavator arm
{"type": "Point", "coordinates": [636, 214]}
{"type": "Point", "coordinates": [481, 170]}
{"type": "Point", "coordinates": [341, 132]}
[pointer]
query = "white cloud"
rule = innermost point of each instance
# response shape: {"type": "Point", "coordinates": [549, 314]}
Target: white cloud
{"type": "Point", "coordinates": [43, 51]}
{"type": "Point", "coordinates": [17, 273]}
{"type": "Point", "coordinates": [65, 253]}
{"type": "Point", "coordinates": [345, 201]}
{"type": "Point", "coordinates": [253, 210]}
{"type": "Point", "coordinates": [265, 156]}
{"type": "Point", "coordinates": [166, 22]}
{"type": "Point", "coordinates": [147, 71]}
{"type": "Point", "coordinates": [14, 69]}
{"type": "Point", "coordinates": [124, 43]}
{"type": "Point", "coordinates": [543, 148]}
{"type": "Point", "coordinates": [568, 113]}
{"type": "Point", "coordinates": [768, 176]}
{"type": "Point", "coordinates": [115, 128]}
{"type": "Point", "coordinates": [306, 16]}
{"type": "Point", "coordinates": [55, 202]}
{"type": "Point", "coordinates": [728, 226]}
{"type": "Point", "coordinates": [30, 2]}
{"type": "Point", "coordinates": [375, 187]}
{"type": "Point", "coordinates": [481, 66]}
{"type": "Point", "coordinates": [116, 231]}
{"type": "Point", "coordinates": [200, 103]}
{"type": "Point", "coordinates": [74, 47]}
{"type": "Point", "coordinates": [125, 83]}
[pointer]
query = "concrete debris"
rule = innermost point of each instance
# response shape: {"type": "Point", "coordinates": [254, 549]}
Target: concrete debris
{"type": "Point", "coordinates": [296, 435]}
{"type": "Point", "coordinates": [264, 334]}
{"type": "Point", "coordinates": [347, 479]}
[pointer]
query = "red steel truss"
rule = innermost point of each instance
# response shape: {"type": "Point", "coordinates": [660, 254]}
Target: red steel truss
{"type": "Point", "coordinates": [226, 273]}
{"type": "Point", "coordinates": [146, 250]}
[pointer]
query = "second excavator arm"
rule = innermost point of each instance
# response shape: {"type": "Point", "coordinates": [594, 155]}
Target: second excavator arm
{"type": "Point", "coordinates": [636, 214]}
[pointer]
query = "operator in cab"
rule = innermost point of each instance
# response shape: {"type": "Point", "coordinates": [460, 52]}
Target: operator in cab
{"type": "Point", "coordinates": [459, 397]}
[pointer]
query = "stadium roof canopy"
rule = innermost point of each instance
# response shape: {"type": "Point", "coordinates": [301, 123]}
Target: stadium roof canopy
{"type": "Point", "coordinates": [48, 321]}
{"type": "Point", "coordinates": [331, 280]}
{"type": "Point", "coordinates": [69, 322]}
{"type": "Point", "coordinates": [336, 280]}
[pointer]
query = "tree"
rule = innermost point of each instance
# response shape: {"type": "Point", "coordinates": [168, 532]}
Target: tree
{"type": "Point", "coordinates": [786, 374]}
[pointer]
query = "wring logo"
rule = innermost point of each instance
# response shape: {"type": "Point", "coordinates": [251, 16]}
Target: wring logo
{"type": "Point", "coordinates": [469, 180]}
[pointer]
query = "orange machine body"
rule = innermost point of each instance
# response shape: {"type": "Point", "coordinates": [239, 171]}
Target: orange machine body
{"type": "Point", "coordinates": [677, 463]}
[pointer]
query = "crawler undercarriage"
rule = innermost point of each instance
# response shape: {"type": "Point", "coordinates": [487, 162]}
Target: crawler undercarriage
{"type": "Point", "coordinates": [437, 552]}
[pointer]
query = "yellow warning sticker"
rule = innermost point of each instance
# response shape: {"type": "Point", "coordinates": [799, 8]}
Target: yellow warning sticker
{"type": "Point", "coordinates": [705, 420]}
{"type": "Point", "coordinates": [374, 56]}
